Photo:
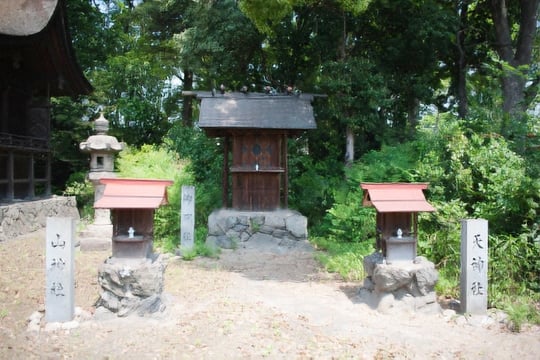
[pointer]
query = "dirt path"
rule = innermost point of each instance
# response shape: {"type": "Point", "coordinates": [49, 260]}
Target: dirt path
{"type": "Point", "coordinates": [249, 303]}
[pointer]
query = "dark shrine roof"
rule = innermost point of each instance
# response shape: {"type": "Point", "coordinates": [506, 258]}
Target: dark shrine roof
{"type": "Point", "coordinates": [256, 111]}
{"type": "Point", "coordinates": [36, 48]}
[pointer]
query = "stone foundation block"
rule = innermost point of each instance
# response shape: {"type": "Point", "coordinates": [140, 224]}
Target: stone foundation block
{"type": "Point", "coordinates": [229, 228]}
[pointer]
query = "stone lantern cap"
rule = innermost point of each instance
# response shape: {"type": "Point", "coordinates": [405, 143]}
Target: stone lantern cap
{"type": "Point", "coordinates": [101, 141]}
{"type": "Point", "coordinates": [133, 193]}
{"type": "Point", "coordinates": [396, 197]}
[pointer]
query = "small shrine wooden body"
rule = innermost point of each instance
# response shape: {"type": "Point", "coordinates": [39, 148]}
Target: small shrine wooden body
{"type": "Point", "coordinates": [37, 62]}
{"type": "Point", "coordinates": [397, 206]}
{"type": "Point", "coordinates": [255, 128]}
{"type": "Point", "coordinates": [132, 203]}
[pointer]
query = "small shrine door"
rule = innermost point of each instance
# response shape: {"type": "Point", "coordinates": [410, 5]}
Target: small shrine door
{"type": "Point", "coordinates": [256, 171]}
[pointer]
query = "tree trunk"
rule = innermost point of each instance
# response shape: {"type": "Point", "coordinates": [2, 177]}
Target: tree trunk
{"type": "Point", "coordinates": [513, 81]}
{"type": "Point", "coordinates": [413, 114]}
{"type": "Point", "coordinates": [349, 146]}
{"type": "Point", "coordinates": [463, 103]}
{"type": "Point", "coordinates": [187, 108]}
{"type": "Point", "coordinates": [349, 133]}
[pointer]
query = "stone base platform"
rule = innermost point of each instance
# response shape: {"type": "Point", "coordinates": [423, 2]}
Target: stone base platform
{"type": "Point", "coordinates": [132, 285]}
{"type": "Point", "coordinates": [402, 285]}
{"type": "Point", "coordinates": [23, 217]}
{"type": "Point", "coordinates": [228, 229]}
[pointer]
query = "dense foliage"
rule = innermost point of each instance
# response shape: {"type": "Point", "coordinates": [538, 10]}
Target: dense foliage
{"type": "Point", "coordinates": [433, 90]}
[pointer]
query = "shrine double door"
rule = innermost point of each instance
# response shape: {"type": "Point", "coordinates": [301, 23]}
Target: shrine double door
{"type": "Point", "coordinates": [257, 171]}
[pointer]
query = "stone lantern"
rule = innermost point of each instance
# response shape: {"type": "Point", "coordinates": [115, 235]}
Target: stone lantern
{"type": "Point", "coordinates": [102, 149]}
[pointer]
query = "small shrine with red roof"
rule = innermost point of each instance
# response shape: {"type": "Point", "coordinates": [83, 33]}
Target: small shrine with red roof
{"type": "Point", "coordinates": [397, 205]}
{"type": "Point", "coordinates": [396, 278]}
{"type": "Point", "coordinates": [132, 203]}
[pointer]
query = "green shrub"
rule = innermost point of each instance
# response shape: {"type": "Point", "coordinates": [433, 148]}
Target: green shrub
{"type": "Point", "coordinates": [312, 184]}
{"type": "Point", "coordinates": [83, 190]}
{"type": "Point", "coordinates": [205, 154]}
{"type": "Point", "coordinates": [514, 267]}
{"type": "Point", "coordinates": [439, 239]}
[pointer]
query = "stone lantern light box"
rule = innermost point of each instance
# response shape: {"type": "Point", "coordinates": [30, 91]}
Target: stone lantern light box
{"type": "Point", "coordinates": [132, 203]}
{"type": "Point", "coordinates": [397, 206]}
{"type": "Point", "coordinates": [102, 149]}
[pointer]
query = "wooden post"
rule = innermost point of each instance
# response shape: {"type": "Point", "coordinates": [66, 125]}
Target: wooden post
{"type": "Point", "coordinates": [285, 172]}
{"type": "Point", "coordinates": [31, 177]}
{"type": "Point", "coordinates": [10, 176]}
{"type": "Point", "coordinates": [48, 190]}
{"type": "Point", "coordinates": [225, 174]}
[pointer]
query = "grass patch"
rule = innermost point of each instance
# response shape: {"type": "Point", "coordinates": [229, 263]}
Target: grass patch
{"type": "Point", "coordinates": [344, 258]}
{"type": "Point", "coordinates": [448, 283]}
{"type": "Point", "coordinates": [520, 304]}
{"type": "Point", "coordinates": [171, 245]}
{"type": "Point", "coordinates": [522, 311]}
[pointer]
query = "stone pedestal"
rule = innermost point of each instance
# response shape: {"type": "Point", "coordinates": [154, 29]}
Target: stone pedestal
{"type": "Point", "coordinates": [404, 286]}
{"type": "Point", "coordinates": [96, 237]}
{"type": "Point", "coordinates": [230, 228]}
{"type": "Point", "coordinates": [132, 285]}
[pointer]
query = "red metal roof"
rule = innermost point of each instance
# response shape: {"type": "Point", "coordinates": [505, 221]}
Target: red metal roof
{"type": "Point", "coordinates": [396, 197]}
{"type": "Point", "coordinates": [133, 194]}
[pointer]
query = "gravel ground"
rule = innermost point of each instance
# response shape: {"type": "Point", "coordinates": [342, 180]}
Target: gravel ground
{"type": "Point", "coordinates": [250, 303]}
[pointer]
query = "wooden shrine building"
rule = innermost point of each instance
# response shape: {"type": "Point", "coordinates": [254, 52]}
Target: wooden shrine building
{"type": "Point", "coordinates": [255, 128]}
{"type": "Point", "coordinates": [37, 62]}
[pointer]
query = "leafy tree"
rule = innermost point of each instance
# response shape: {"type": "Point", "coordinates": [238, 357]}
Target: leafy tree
{"type": "Point", "coordinates": [359, 95]}
{"type": "Point", "coordinates": [221, 45]}
{"type": "Point", "coordinates": [68, 133]}
{"type": "Point", "coordinates": [410, 41]}
{"type": "Point", "coordinates": [496, 39]}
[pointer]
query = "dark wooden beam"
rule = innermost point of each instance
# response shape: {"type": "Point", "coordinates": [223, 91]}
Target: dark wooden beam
{"type": "Point", "coordinates": [10, 177]}
{"type": "Point", "coordinates": [31, 177]}
{"type": "Point", "coordinates": [225, 174]}
{"type": "Point", "coordinates": [285, 165]}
